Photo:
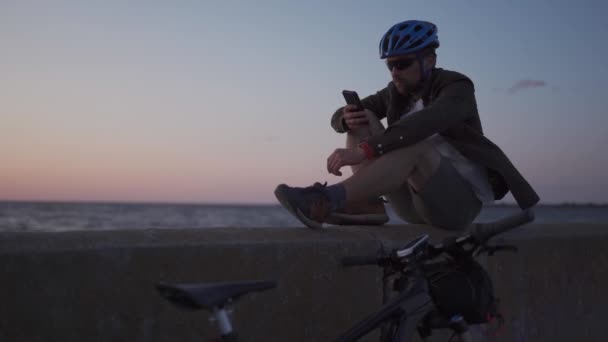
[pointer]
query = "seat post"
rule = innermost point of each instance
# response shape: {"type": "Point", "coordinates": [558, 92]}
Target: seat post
{"type": "Point", "coordinates": [223, 321]}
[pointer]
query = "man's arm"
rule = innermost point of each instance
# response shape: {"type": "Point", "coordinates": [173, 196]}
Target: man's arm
{"type": "Point", "coordinates": [454, 103]}
{"type": "Point", "coordinates": [377, 103]}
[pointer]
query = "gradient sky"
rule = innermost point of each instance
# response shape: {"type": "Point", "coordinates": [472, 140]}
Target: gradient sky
{"type": "Point", "coordinates": [220, 101]}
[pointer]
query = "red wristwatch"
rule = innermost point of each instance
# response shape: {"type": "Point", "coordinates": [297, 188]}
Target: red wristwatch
{"type": "Point", "coordinates": [369, 152]}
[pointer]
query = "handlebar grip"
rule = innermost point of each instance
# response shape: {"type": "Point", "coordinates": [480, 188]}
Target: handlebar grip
{"type": "Point", "coordinates": [485, 231]}
{"type": "Point", "coordinates": [360, 260]}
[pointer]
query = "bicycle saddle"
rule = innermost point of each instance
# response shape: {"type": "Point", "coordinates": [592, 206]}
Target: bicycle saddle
{"type": "Point", "coordinates": [209, 295]}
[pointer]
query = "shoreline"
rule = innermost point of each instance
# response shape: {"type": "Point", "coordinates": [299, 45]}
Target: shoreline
{"type": "Point", "coordinates": [161, 203]}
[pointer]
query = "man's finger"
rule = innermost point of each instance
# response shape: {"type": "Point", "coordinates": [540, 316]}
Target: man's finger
{"type": "Point", "coordinates": [351, 108]}
{"type": "Point", "coordinates": [358, 121]}
{"type": "Point", "coordinates": [335, 165]}
{"type": "Point", "coordinates": [360, 125]}
{"type": "Point", "coordinates": [334, 162]}
{"type": "Point", "coordinates": [332, 166]}
{"type": "Point", "coordinates": [330, 162]}
{"type": "Point", "coordinates": [336, 171]}
{"type": "Point", "coordinates": [354, 116]}
{"type": "Point", "coordinates": [359, 114]}
{"type": "Point", "coordinates": [353, 123]}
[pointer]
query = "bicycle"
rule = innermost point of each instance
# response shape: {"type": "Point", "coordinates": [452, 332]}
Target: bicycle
{"type": "Point", "coordinates": [453, 293]}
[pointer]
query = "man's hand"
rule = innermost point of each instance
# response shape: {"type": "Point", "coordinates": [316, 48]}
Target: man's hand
{"type": "Point", "coordinates": [356, 118]}
{"type": "Point", "coordinates": [344, 156]}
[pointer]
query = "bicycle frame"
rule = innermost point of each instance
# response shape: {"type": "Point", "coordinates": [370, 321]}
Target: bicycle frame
{"type": "Point", "coordinates": [412, 310]}
{"type": "Point", "coordinates": [406, 310]}
{"type": "Point", "coordinates": [406, 313]}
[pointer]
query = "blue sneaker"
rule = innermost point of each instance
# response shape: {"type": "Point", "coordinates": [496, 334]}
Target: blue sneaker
{"type": "Point", "coordinates": [310, 205]}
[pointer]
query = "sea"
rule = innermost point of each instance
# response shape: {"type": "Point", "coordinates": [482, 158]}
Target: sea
{"type": "Point", "coordinates": [83, 216]}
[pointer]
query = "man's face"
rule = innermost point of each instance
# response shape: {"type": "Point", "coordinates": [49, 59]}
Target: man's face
{"type": "Point", "coordinates": [405, 72]}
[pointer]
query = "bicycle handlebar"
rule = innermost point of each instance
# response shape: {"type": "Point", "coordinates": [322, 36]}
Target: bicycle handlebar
{"type": "Point", "coordinates": [485, 231]}
{"type": "Point", "coordinates": [480, 234]}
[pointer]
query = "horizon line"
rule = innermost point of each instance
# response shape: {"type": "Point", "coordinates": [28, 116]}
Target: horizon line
{"type": "Point", "coordinates": [251, 204]}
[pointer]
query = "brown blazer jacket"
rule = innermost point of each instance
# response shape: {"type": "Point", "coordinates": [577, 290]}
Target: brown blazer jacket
{"type": "Point", "coordinates": [450, 109]}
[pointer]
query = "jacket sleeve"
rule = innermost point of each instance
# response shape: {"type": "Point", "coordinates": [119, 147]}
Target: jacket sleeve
{"type": "Point", "coordinates": [454, 103]}
{"type": "Point", "coordinates": [377, 103]}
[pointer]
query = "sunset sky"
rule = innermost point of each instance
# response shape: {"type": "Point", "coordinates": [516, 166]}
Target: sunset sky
{"type": "Point", "coordinates": [220, 101]}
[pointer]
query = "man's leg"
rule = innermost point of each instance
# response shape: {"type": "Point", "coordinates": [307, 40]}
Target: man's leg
{"type": "Point", "coordinates": [447, 200]}
{"type": "Point", "coordinates": [388, 173]}
{"type": "Point", "coordinates": [367, 211]}
{"type": "Point", "coordinates": [401, 199]}
{"type": "Point", "coordinates": [423, 187]}
{"type": "Point", "coordinates": [402, 202]}
{"type": "Point", "coordinates": [413, 168]}
{"type": "Point", "coordinates": [414, 164]}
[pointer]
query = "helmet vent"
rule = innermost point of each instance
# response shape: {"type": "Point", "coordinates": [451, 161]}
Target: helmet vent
{"type": "Point", "coordinates": [385, 45]}
{"type": "Point", "coordinates": [394, 40]}
{"type": "Point", "coordinates": [401, 43]}
{"type": "Point", "coordinates": [416, 43]}
{"type": "Point", "coordinates": [417, 28]}
{"type": "Point", "coordinates": [403, 27]}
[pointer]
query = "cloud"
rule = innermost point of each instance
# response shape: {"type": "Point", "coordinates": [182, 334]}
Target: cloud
{"type": "Point", "coordinates": [525, 84]}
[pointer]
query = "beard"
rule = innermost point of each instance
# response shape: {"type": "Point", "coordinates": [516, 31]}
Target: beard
{"type": "Point", "coordinates": [406, 88]}
{"type": "Point", "coordinates": [401, 86]}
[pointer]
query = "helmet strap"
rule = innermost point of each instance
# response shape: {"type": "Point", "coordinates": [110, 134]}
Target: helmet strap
{"type": "Point", "coordinates": [423, 74]}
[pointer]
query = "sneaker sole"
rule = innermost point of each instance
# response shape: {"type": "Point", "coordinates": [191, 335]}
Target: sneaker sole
{"type": "Point", "coordinates": [357, 220]}
{"type": "Point", "coordinates": [281, 195]}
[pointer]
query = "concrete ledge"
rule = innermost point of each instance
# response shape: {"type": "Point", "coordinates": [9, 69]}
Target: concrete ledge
{"type": "Point", "coordinates": [98, 286]}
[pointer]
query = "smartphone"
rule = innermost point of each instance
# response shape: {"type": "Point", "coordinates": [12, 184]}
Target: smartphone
{"type": "Point", "coordinates": [352, 98]}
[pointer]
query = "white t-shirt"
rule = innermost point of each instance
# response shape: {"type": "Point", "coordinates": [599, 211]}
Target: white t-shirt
{"type": "Point", "coordinates": [474, 173]}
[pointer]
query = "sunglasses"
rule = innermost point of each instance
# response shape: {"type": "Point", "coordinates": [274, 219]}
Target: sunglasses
{"type": "Point", "coordinates": [400, 64]}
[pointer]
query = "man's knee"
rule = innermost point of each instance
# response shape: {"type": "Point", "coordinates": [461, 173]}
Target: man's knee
{"type": "Point", "coordinates": [424, 148]}
{"type": "Point", "coordinates": [414, 163]}
{"type": "Point", "coordinates": [422, 152]}
{"type": "Point", "coordinates": [373, 127]}
{"type": "Point", "coordinates": [426, 166]}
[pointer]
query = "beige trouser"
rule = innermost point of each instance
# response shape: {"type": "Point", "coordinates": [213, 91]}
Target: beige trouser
{"type": "Point", "coordinates": [420, 185]}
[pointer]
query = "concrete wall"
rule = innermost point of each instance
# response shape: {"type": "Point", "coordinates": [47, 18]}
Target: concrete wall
{"type": "Point", "coordinates": [98, 286]}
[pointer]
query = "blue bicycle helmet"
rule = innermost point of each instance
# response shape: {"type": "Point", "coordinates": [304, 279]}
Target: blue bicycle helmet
{"type": "Point", "coordinates": [408, 37]}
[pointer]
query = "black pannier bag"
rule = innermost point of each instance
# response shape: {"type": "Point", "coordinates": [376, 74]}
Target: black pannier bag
{"type": "Point", "coordinates": [464, 288]}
